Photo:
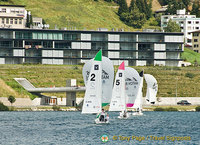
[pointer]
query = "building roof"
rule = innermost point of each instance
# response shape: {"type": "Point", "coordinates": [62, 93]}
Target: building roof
{"type": "Point", "coordinates": [12, 5]}
{"type": "Point", "coordinates": [196, 31]}
{"type": "Point", "coordinates": [93, 31]}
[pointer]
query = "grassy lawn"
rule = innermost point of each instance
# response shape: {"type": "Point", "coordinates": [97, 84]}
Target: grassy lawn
{"type": "Point", "coordinates": [186, 78]}
{"type": "Point", "coordinates": [190, 56]}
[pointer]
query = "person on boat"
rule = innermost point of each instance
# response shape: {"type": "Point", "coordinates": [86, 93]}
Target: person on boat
{"type": "Point", "coordinates": [102, 115]}
{"type": "Point", "coordinates": [137, 110]}
{"type": "Point", "coordinates": [124, 115]}
{"type": "Point", "coordinates": [107, 117]}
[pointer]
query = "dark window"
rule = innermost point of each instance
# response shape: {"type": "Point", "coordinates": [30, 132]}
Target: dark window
{"type": "Point", "coordinates": [195, 40]}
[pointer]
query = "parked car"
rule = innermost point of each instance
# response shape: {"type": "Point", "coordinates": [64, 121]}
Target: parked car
{"type": "Point", "coordinates": [183, 102]}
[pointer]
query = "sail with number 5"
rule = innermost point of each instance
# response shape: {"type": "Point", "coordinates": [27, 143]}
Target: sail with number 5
{"type": "Point", "coordinates": [118, 100]}
{"type": "Point", "coordinates": [93, 93]}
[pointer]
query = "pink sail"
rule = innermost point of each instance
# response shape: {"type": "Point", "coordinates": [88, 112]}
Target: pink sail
{"type": "Point", "coordinates": [122, 67]}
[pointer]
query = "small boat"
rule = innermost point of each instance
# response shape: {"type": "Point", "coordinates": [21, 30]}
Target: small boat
{"type": "Point", "coordinates": [152, 88]}
{"type": "Point", "coordinates": [138, 100]}
{"type": "Point", "coordinates": [118, 100]}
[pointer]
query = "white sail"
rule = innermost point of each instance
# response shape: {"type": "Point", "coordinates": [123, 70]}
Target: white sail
{"type": "Point", "coordinates": [93, 93]}
{"type": "Point", "coordinates": [118, 100]}
{"type": "Point", "coordinates": [132, 79]}
{"type": "Point", "coordinates": [107, 78]}
{"type": "Point", "coordinates": [138, 100]}
{"type": "Point", "coordinates": [152, 88]}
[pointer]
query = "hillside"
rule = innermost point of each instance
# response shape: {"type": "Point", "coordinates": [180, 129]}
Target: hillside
{"type": "Point", "coordinates": [76, 14]}
{"type": "Point", "coordinates": [186, 78]}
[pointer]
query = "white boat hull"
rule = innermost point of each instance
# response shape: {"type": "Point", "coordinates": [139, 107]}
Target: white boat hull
{"type": "Point", "coordinates": [121, 116]}
{"type": "Point", "coordinates": [101, 122]}
{"type": "Point", "coordinates": [137, 114]}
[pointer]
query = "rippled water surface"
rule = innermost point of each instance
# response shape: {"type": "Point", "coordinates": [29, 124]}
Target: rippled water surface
{"type": "Point", "coordinates": [74, 128]}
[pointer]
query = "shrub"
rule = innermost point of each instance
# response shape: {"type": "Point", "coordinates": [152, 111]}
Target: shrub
{"type": "Point", "coordinates": [171, 109]}
{"type": "Point", "coordinates": [11, 99]}
{"type": "Point", "coordinates": [3, 107]}
{"type": "Point", "coordinates": [159, 109]}
{"type": "Point", "coordinates": [56, 108]}
{"type": "Point", "coordinates": [197, 108]}
{"type": "Point", "coordinates": [189, 75]}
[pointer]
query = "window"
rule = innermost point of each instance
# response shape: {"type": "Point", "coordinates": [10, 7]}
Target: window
{"type": "Point", "coordinates": [196, 51]}
{"type": "Point", "coordinates": [189, 33]}
{"type": "Point", "coordinates": [3, 21]}
{"type": "Point", "coordinates": [195, 40]}
{"type": "Point", "coordinates": [7, 20]}
{"type": "Point", "coordinates": [197, 28]}
{"type": "Point", "coordinates": [11, 21]}
{"type": "Point", "coordinates": [196, 45]}
{"type": "Point", "coordinates": [197, 22]}
{"type": "Point", "coordinates": [195, 34]}
{"type": "Point", "coordinates": [15, 21]}
{"type": "Point", "coordinates": [189, 22]}
{"type": "Point", "coordinates": [189, 40]}
{"type": "Point", "coordinates": [20, 21]}
{"type": "Point", "coordinates": [3, 10]}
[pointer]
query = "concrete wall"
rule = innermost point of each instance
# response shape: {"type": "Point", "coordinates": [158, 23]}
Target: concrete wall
{"type": "Point", "coordinates": [26, 102]}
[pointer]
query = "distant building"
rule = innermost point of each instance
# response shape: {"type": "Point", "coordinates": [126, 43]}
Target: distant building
{"type": "Point", "coordinates": [161, 11]}
{"type": "Point", "coordinates": [196, 41]}
{"type": "Point", "coordinates": [15, 16]}
{"type": "Point", "coordinates": [19, 46]}
{"type": "Point", "coordinates": [12, 16]}
{"type": "Point", "coordinates": [187, 23]}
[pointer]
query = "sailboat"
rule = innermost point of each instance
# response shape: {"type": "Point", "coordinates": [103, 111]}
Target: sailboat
{"type": "Point", "coordinates": [107, 78]}
{"type": "Point", "coordinates": [93, 94]}
{"type": "Point", "coordinates": [152, 88]}
{"type": "Point", "coordinates": [138, 100]}
{"type": "Point", "coordinates": [118, 100]}
{"type": "Point", "coordinates": [132, 78]}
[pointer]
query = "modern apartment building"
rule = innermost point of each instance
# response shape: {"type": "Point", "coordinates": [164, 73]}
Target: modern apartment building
{"type": "Point", "coordinates": [19, 46]}
{"type": "Point", "coordinates": [187, 23]}
{"type": "Point", "coordinates": [12, 16]}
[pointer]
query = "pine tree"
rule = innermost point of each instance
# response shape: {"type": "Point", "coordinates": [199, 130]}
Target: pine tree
{"type": "Point", "coordinates": [132, 4]}
{"type": "Point", "coordinates": [195, 8]}
{"type": "Point", "coordinates": [148, 9]}
{"type": "Point", "coordinates": [136, 19]}
{"type": "Point", "coordinates": [123, 8]}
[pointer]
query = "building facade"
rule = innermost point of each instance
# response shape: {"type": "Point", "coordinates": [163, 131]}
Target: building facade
{"type": "Point", "coordinates": [12, 16]}
{"type": "Point", "coordinates": [19, 46]}
{"type": "Point", "coordinates": [187, 23]}
{"type": "Point", "coordinates": [196, 41]}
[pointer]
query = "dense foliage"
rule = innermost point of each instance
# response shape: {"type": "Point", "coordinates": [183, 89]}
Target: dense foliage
{"type": "Point", "coordinates": [135, 15]}
{"type": "Point", "coordinates": [172, 27]}
{"type": "Point", "coordinates": [3, 107]}
{"type": "Point", "coordinates": [197, 108]}
{"type": "Point", "coordinates": [11, 99]}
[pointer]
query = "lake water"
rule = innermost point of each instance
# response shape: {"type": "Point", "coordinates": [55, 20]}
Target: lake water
{"type": "Point", "coordinates": [72, 128]}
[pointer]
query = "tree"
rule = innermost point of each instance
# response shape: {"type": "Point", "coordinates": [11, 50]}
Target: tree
{"type": "Point", "coordinates": [123, 8]}
{"type": "Point", "coordinates": [11, 99]}
{"type": "Point", "coordinates": [136, 19]}
{"type": "Point", "coordinates": [196, 9]}
{"type": "Point", "coordinates": [172, 27]}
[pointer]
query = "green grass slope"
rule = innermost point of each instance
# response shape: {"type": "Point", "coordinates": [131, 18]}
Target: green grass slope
{"type": "Point", "coordinates": [74, 13]}
{"type": "Point", "coordinates": [190, 56]}
{"type": "Point", "coordinates": [186, 78]}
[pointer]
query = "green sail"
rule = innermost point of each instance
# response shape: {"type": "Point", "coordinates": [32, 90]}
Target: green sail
{"type": "Point", "coordinates": [98, 56]}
